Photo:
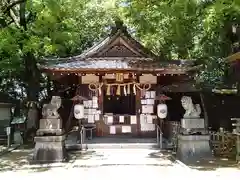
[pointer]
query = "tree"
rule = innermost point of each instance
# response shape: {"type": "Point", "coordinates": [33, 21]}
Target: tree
{"type": "Point", "coordinates": [186, 29]}
{"type": "Point", "coordinates": [32, 29]}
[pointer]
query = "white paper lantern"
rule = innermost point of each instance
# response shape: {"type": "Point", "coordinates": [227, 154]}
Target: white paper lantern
{"type": "Point", "coordinates": [79, 111]}
{"type": "Point", "coordinates": [162, 111]}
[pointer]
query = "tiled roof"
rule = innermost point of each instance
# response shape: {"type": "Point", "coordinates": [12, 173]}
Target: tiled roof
{"type": "Point", "coordinates": [121, 64]}
{"type": "Point", "coordinates": [119, 51]}
{"type": "Point", "coordinates": [104, 63]}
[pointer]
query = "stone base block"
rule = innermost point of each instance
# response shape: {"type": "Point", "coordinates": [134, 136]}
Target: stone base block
{"type": "Point", "coordinates": [53, 132]}
{"type": "Point", "coordinates": [50, 123]}
{"type": "Point", "coordinates": [192, 123]}
{"type": "Point", "coordinates": [49, 149]}
{"type": "Point", "coordinates": [194, 131]}
{"type": "Point", "coordinates": [192, 148]}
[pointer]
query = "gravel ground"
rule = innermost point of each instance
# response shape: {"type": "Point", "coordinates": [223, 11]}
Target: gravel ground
{"type": "Point", "coordinates": [108, 164]}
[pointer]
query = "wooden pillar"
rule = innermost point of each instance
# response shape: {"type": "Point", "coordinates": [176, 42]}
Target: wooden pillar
{"type": "Point", "coordinates": [138, 110]}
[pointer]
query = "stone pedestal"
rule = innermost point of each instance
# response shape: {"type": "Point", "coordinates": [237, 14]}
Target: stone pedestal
{"type": "Point", "coordinates": [49, 149]}
{"type": "Point", "coordinates": [193, 125]}
{"type": "Point", "coordinates": [192, 148]}
{"type": "Point", "coordinates": [49, 142]}
{"type": "Point", "coordinates": [50, 126]}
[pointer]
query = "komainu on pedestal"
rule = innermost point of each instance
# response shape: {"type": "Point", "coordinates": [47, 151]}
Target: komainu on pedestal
{"type": "Point", "coordinates": [50, 138]}
{"type": "Point", "coordinates": [193, 142]}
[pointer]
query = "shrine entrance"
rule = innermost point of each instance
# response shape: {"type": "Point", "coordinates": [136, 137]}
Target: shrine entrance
{"type": "Point", "coordinates": [119, 105]}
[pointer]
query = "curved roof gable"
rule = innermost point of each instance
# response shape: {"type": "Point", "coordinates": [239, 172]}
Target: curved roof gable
{"type": "Point", "coordinates": [119, 44]}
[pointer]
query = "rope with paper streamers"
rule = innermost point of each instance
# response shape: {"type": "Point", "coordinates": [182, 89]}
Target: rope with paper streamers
{"type": "Point", "coordinates": [126, 87]}
{"type": "Point", "coordinates": [95, 87]}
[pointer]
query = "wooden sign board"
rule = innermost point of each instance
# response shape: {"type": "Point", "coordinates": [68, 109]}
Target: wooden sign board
{"type": "Point", "coordinates": [90, 78]}
{"type": "Point", "coordinates": [148, 79]}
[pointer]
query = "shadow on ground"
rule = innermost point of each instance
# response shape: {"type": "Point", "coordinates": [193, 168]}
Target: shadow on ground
{"type": "Point", "coordinates": [163, 154]}
{"type": "Point", "coordinates": [203, 164]}
{"type": "Point", "coordinates": [20, 160]}
{"type": "Point", "coordinates": [214, 164]}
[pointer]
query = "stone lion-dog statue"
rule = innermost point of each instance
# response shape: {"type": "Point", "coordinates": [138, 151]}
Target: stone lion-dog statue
{"type": "Point", "coordinates": [51, 110]}
{"type": "Point", "coordinates": [191, 110]}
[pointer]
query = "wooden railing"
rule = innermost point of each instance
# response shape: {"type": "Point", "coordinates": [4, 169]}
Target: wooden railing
{"type": "Point", "coordinates": [223, 144]}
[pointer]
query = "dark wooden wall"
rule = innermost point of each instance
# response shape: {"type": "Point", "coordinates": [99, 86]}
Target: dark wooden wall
{"type": "Point", "coordinates": [221, 108]}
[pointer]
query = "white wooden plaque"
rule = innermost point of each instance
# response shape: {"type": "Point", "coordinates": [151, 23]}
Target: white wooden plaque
{"type": "Point", "coordinates": [90, 118]}
{"type": "Point", "coordinates": [149, 119]}
{"type": "Point", "coordinates": [121, 119]}
{"type": "Point", "coordinates": [150, 101]}
{"type": "Point", "coordinates": [89, 103]}
{"type": "Point", "coordinates": [153, 94]}
{"type": "Point", "coordinates": [147, 109]}
{"type": "Point", "coordinates": [97, 117]}
{"type": "Point", "coordinates": [109, 119]}
{"type": "Point", "coordinates": [133, 119]}
{"type": "Point", "coordinates": [143, 119]}
{"type": "Point", "coordinates": [126, 129]}
{"type": "Point", "coordinates": [147, 127]}
{"type": "Point", "coordinates": [148, 94]}
{"type": "Point", "coordinates": [112, 130]}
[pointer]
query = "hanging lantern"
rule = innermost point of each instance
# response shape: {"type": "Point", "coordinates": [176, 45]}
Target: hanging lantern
{"type": "Point", "coordinates": [162, 111]}
{"type": "Point", "coordinates": [79, 111]}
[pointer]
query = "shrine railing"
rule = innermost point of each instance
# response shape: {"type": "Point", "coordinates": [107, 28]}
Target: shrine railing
{"type": "Point", "coordinates": [223, 144]}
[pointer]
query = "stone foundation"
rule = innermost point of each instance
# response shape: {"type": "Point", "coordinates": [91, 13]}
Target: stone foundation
{"type": "Point", "coordinates": [192, 148]}
{"type": "Point", "coordinates": [49, 149]}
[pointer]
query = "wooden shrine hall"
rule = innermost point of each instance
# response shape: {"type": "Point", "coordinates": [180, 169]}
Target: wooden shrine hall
{"type": "Point", "coordinates": [121, 81]}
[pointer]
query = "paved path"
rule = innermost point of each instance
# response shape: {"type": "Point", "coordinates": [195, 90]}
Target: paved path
{"type": "Point", "coordinates": [125, 164]}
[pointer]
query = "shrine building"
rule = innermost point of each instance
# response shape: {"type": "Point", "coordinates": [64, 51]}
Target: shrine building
{"type": "Point", "coordinates": [122, 83]}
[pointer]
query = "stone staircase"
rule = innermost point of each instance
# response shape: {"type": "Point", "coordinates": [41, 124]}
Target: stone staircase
{"type": "Point", "coordinates": [116, 142]}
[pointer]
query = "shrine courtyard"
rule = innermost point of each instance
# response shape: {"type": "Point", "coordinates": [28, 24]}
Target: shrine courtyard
{"type": "Point", "coordinates": [107, 163]}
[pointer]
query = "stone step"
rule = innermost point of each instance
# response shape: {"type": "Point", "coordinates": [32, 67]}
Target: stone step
{"type": "Point", "coordinates": [113, 146]}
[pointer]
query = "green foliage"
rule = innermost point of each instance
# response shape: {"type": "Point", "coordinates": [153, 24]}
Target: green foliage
{"type": "Point", "coordinates": [179, 29]}
{"type": "Point", "coordinates": [187, 29]}
{"type": "Point", "coordinates": [53, 28]}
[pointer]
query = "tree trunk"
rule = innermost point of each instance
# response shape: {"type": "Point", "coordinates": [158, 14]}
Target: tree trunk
{"type": "Point", "coordinates": [204, 110]}
{"type": "Point", "coordinates": [32, 77]}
